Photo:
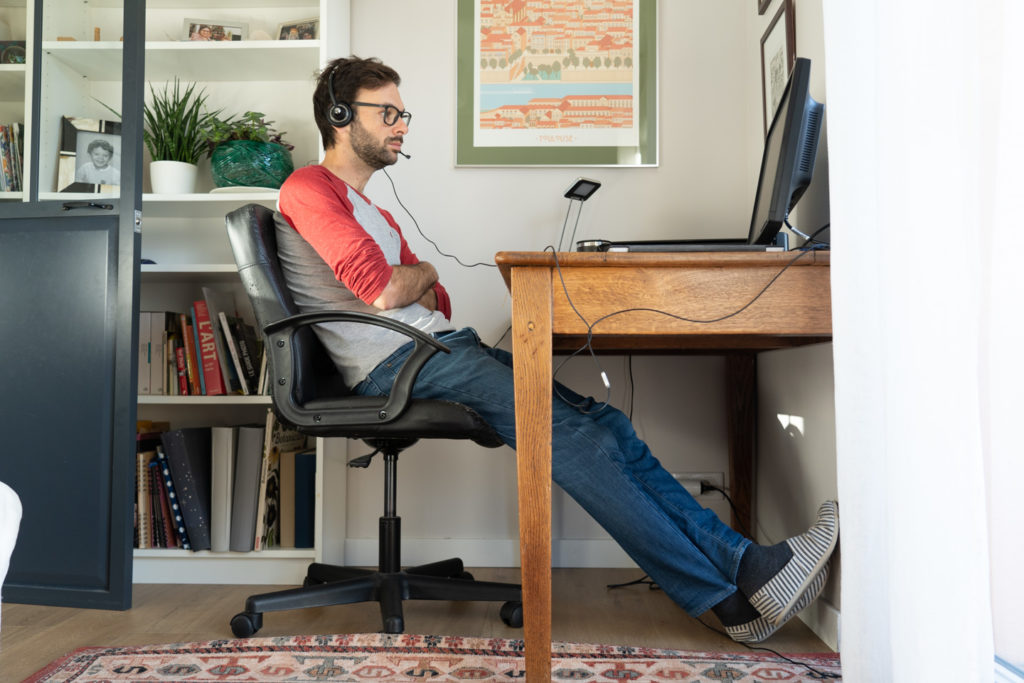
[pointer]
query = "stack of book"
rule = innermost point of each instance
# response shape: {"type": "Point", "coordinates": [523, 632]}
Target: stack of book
{"type": "Point", "coordinates": [12, 141]}
{"type": "Point", "coordinates": [237, 488]}
{"type": "Point", "coordinates": [207, 351]}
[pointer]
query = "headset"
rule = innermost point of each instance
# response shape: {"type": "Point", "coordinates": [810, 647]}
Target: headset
{"type": "Point", "coordinates": [339, 113]}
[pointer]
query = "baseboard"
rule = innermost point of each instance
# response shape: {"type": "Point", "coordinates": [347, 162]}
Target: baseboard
{"type": "Point", "coordinates": [475, 552]}
{"type": "Point", "coordinates": [824, 619]}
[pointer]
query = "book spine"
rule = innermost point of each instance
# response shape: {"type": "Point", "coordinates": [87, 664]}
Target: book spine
{"type": "Point", "coordinates": [188, 341]}
{"type": "Point", "coordinates": [176, 515]}
{"type": "Point", "coordinates": [233, 350]}
{"type": "Point", "coordinates": [181, 363]}
{"type": "Point", "coordinates": [213, 383]}
{"type": "Point", "coordinates": [194, 349]}
{"type": "Point", "coordinates": [145, 357]}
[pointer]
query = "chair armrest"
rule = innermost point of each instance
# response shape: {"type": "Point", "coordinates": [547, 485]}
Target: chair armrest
{"type": "Point", "coordinates": [280, 332]}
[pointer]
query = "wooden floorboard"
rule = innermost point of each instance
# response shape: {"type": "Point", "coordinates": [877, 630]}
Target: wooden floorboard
{"type": "Point", "coordinates": [584, 610]}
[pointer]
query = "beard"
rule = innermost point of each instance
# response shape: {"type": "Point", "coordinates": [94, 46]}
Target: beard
{"type": "Point", "coordinates": [374, 154]}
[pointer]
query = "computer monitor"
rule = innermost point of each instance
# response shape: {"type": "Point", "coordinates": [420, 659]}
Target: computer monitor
{"type": "Point", "coordinates": [788, 160]}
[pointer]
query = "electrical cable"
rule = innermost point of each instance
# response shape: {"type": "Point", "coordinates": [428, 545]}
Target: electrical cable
{"type": "Point", "coordinates": [565, 222]}
{"type": "Point", "coordinates": [588, 345]}
{"type": "Point", "coordinates": [432, 242]}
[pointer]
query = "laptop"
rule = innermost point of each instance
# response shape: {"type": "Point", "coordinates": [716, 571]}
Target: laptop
{"type": "Point", "coordinates": [662, 246]}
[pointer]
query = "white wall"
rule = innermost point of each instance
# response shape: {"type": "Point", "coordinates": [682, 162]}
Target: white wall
{"type": "Point", "coordinates": [711, 136]}
{"type": "Point", "coordinates": [797, 464]}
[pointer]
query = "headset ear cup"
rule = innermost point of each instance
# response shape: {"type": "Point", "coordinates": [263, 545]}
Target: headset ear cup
{"type": "Point", "coordinates": [339, 114]}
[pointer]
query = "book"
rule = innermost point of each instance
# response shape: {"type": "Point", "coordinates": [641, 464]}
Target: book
{"type": "Point", "coordinates": [193, 347]}
{"type": "Point", "coordinates": [276, 438]}
{"type": "Point", "coordinates": [189, 347]}
{"type": "Point", "coordinates": [188, 454]}
{"type": "Point", "coordinates": [177, 517]}
{"type": "Point", "coordinates": [157, 355]}
{"type": "Point", "coordinates": [143, 514]}
{"type": "Point", "coordinates": [233, 352]}
{"type": "Point", "coordinates": [206, 347]}
{"type": "Point", "coordinates": [144, 360]}
{"type": "Point", "coordinates": [298, 498]}
{"type": "Point", "coordinates": [305, 499]}
{"type": "Point", "coordinates": [222, 480]}
{"type": "Point", "coordinates": [219, 301]}
{"type": "Point", "coordinates": [168, 526]}
{"type": "Point", "coordinates": [248, 458]}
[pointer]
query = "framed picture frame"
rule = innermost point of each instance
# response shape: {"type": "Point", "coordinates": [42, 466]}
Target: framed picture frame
{"type": "Point", "coordinates": [589, 105]}
{"type": "Point", "coordinates": [778, 55]}
{"type": "Point", "coordinates": [301, 29]}
{"type": "Point", "coordinates": [762, 6]}
{"type": "Point", "coordinates": [213, 30]}
{"type": "Point", "coordinates": [89, 159]}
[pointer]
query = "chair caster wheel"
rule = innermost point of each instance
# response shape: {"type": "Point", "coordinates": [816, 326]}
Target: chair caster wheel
{"type": "Point", "coordinates": [394, 625]}
{"type": "Point", "coordinates": [512, 614]}
{"type": "Point", "coordinates": [244, 624]}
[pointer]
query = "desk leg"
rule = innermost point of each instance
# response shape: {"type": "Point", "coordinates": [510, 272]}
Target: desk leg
{"type": "Point", "coordinates": [531, 349]}
{"type": "Point", "coordinates": [741, 392]}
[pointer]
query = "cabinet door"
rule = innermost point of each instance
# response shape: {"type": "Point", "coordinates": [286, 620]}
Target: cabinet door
{"type": "Point", "coordinates": [69, 268]}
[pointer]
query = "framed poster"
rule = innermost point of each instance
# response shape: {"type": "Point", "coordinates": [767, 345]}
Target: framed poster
{"type": "Point", "coordinates": [778, 55]}
{"type": "Point", "coordinates": [90, 155]}
{"type": "Point", "coordinates": [579, 89]}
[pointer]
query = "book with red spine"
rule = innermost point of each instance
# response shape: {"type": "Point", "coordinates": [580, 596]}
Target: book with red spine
{"type": "Point", "coordinates": [207, 350]}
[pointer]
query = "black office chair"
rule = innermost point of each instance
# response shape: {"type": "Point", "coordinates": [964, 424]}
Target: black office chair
{"type": "Point", "coordinates": [309, 394]}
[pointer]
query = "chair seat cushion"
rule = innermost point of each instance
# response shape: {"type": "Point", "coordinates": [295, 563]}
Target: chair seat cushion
{"type": "Point", "coordinates": [422, 419]}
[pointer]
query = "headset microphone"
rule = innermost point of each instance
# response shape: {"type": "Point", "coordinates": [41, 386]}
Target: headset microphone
{"type": "Point", "coordinates": [407, 156]}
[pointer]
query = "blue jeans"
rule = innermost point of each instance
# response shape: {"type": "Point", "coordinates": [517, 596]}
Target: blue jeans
{"type": "Point", "coordinates": [599, 460]}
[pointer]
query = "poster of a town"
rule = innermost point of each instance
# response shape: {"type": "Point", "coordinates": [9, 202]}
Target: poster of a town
{"type": "Point", "coordinates": [556, 73]}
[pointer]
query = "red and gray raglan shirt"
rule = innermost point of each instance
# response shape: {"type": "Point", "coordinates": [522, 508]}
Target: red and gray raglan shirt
{"type": "Point", "coordinates": [337, 251]}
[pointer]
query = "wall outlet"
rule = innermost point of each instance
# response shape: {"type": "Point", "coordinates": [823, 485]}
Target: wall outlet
{"type": "Point", "coordinates": [691, 482]}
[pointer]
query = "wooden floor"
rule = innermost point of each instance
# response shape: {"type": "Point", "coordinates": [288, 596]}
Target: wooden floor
{"type": "Point", "coordinates": [584, 610]}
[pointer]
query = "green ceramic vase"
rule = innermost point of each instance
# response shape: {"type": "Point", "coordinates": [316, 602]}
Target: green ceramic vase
{"type": "Point", "coordinates": [250, 163]}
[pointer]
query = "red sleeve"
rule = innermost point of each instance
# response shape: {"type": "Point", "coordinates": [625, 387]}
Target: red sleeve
{"type": "Point", "coordinates": [316, 204]}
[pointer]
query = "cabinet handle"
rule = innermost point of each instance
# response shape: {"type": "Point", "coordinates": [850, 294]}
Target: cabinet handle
{"type": "Point", "coordinates": [87, 205]}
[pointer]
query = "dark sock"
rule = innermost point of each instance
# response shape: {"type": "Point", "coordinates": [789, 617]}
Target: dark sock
{"type": "Point", "coordinates": [735, 610]}
{"type": "Point", "coordinates": [759, 564]}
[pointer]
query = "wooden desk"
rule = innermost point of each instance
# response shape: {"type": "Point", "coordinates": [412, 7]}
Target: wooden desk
{"type": "Point", "coordinates": [796, 309]}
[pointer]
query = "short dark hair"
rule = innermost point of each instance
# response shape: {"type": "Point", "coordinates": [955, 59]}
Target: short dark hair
{"type": "Point", "coordinates": [100, 143]}
{"type": "Point", "coordinates": [347, 75]}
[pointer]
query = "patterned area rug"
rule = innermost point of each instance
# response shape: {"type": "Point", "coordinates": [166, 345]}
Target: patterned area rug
{"type": "Point", "coordinates": [382, 657]}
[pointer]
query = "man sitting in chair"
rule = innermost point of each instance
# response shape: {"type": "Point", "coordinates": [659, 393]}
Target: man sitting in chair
{"type": "Point", "coordinates": [339, 251]}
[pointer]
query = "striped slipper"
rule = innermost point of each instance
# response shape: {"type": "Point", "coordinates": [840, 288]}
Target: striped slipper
{"type": "Point", "coordinates": [759, 629]}
{"type": "Point", "coordinates": [776, 599]}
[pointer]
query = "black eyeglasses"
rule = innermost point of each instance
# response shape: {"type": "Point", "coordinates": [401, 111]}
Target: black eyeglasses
{"type": "Point", "coordinates": [391, 112]}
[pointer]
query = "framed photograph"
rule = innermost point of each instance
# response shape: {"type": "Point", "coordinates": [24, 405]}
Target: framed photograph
{"type": "Point", "coordinates": [90, 155]}
{"type": "Point", "coordinates": [213, 30]}
{"type": "Point", "coordinates": [762, 6]}
{"type": "Point", "coordinates": [302, 29]}
{"type": "Point", "coordinates": [550, 94]}
{"type": "Point", "coordinates": [778, 55]}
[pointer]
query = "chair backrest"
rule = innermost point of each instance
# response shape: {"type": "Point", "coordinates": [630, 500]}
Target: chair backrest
{"type": "Point", "coordinates": [253, 235]}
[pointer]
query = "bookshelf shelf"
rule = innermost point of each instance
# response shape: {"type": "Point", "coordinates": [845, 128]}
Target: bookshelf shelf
{"type": "Point", "coordinates": [213, 401]}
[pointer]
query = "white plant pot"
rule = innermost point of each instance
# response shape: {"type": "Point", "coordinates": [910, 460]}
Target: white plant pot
{"type": "Point", "coordinates": [172, 177]}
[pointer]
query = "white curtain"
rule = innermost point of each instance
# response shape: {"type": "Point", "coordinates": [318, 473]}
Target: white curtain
{"type": "Point", "coordinates": [925, 123]}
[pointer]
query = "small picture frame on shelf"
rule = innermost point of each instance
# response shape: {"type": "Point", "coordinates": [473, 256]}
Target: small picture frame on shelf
{"type": "Point", "coordinates": [90, 155]}
{"type": "Point", "coordinates": [301, 29]}
{"type": "Point", "coordinates": [214, 30]}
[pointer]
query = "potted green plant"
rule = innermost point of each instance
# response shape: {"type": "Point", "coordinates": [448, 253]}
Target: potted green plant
{"type": "Point", "coordinates": [247, 151]}
{"type": "Point", "coordinates": [176, 129]}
